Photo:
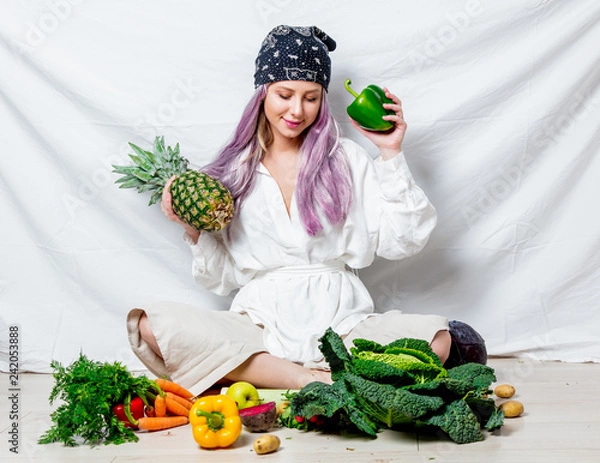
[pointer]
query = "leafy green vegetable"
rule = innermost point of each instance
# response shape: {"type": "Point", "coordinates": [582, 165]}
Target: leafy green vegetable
{"type": "Point", "coordinates": [335, 353]}
{"type": "Point", "coordinates": [382, 372]}
{"type": "Point", "coordinates": [406, 355]}
{"type": "Point", "coordinates": [495, 420]}
{"type": "Point", "coordinates": [420, 371]}
{"type": "Point", "coordinates": [478, 376]}
{"type": "Point", "coordinates": [89, 390]}
{"type": "Point", "coordinates": [458, 421]}
{"type": "Point", "coordinates": [330, 401]}
{"type": "Point", "coordinates": [400, 385]}
{"type": "Point", "coordinates": [388, 405]}
{"type": "Point", "coordinates": [488, 414]}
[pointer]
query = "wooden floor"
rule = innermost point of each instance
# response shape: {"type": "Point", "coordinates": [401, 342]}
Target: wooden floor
{"type": "Point", "coordinates": [561, 424]}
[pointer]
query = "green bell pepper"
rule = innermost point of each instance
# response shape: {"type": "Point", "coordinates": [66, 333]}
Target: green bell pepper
{"type": "Point", "coordinates": [367, 108]}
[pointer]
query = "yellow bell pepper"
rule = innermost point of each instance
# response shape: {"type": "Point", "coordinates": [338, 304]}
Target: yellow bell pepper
{"type": "Point", "coordinates": [215, 421]}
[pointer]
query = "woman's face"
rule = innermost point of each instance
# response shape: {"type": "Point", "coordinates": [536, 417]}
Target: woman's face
{"type": "Point", "coordinates": [292, 106]}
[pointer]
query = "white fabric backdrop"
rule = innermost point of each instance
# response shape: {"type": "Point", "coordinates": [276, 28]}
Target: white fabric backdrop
{"type": "Point", "coordinates": [502, 102]}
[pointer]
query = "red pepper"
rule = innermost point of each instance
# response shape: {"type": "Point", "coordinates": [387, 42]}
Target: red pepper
{"type": "Point", "coordinates": [130, 411]}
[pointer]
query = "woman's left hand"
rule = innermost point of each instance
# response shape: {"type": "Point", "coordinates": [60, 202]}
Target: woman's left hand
{"type": "Point", "coordinates": [389, 142]}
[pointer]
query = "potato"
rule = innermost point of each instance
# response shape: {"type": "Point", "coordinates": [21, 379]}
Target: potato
{"type": "Point", "coordinates": [504, 390]}
{"type": "Point", "coordinates": [512, 408]}
{"type": "Point", "coordinates": [266, 444]}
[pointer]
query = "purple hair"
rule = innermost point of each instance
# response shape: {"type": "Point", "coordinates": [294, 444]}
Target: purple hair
{"type": "Point", "coordinates": [324, 182]}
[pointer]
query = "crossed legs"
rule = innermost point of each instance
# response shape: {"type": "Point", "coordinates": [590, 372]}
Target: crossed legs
{"type": "Point", "coordinates": [268, 371]}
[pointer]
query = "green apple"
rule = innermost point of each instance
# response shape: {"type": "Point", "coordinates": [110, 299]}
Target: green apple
{"type": "Point", "coordinates": [244, 393]}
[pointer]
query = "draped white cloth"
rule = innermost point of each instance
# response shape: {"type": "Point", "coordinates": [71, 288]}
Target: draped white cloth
{"type": "Point", "coordinates": [503, 110]}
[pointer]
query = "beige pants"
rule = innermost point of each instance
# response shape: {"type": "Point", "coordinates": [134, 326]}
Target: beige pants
{"type": "Point", "coordinates": [200, 347]}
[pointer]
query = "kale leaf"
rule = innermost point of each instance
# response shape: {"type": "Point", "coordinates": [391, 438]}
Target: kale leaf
{"type": "Point", "coordinates": [458, 421]}
{"type": "Point", "coordinates": [389, 405]}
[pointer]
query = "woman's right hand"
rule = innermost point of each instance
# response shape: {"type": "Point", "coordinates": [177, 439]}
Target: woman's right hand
{"type": "Point", "coordinates": [166, 206]}
{"type": "Point", "coordinates": [390, 142]}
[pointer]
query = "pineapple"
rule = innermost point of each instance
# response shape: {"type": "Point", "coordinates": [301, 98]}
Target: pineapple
{"type": "Point", "coordinates": [198, 199]}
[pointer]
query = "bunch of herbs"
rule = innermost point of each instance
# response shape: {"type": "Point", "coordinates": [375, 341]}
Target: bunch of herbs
{"type": "Point", "coordinates": [89, 391]}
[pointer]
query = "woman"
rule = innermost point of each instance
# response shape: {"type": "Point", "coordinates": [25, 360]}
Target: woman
{"type": "Point", "coordinates": [310, 206]}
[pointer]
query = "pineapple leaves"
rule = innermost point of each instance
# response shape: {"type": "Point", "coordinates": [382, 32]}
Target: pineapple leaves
{"type": "Point", "coordinates": [143, 164]}
{"type": "Point", "coordinates": [145, 159]}
{"type": "Point", "coordinates": [156, 197]}
{"type": "Point", "coordinates": [198, 199]}
{"type": "Point", "coordinates": [125, 170]}
{"type": "Point", "coordinates": [159, 145]}
{"type": "Point", "coordinates": [144, 176]}
{"type": "Point", "coordinates": [130, 182]}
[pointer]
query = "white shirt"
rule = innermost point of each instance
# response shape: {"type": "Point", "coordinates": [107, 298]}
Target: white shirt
{"type": "Point", "coordinates": [295, 285]}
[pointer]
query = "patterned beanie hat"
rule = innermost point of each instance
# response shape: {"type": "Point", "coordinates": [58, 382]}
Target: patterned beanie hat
{"type": "Point", "coordinates": [294, 53]}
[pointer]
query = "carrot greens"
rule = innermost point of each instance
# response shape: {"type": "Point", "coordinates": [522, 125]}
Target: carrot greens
{"type": "Point", "coordinates": [89, 390]}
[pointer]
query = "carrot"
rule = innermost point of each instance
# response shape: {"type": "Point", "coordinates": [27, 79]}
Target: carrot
{"type": "Point", "coordinates": [160, 406]}
{"type": "Point", "coordinates": [150, 412]}
{"type": "Point", "coordinates": [180, 400]}
{"type": "Point", "coordinates": [156, 423]}
{"type": "Point", "coordinates": [170, 386]}
{"type": "Point", "coordinates": [175, 408]}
